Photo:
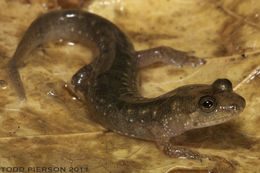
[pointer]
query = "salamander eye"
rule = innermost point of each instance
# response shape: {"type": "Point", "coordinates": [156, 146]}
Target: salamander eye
{"type": "Point", "coordinates": [207, 104]}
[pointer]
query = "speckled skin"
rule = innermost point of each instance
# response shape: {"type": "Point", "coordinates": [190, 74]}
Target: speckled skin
{"type": "Point", "coordinates": [109, 82]}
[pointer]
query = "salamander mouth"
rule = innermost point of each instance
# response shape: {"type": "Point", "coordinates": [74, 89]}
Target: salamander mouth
{"type": "Point", "coordinates": [217, 121]}
{"type": "Point", "coordinates": [232, 107]}
{"type": "Point", "coordinates": [229, 112]}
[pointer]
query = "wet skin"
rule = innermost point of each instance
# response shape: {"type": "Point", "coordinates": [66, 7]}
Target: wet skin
{"type": "Point", "coordinates": [109, 83]}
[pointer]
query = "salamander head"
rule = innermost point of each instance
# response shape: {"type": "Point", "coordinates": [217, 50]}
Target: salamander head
{"type": "Point", "coordinates": [204, 105]}
{"type": "Point", "coordinates": [219, 106]}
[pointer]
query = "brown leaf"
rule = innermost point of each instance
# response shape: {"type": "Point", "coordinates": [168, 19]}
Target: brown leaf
{"type": "Point", "coordinates": [52, 131]}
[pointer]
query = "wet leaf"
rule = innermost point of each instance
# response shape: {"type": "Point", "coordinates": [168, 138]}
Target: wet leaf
{"type": "Point", "coordinates": [51, 129]}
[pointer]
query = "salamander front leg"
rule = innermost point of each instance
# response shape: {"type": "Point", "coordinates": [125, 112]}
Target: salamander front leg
{"type": "Point", "coordinates": [162, 139]}
{"type": "Point", "coordinates": [180, 152]}
{"type": "Point", "coordinates": [166, 55]}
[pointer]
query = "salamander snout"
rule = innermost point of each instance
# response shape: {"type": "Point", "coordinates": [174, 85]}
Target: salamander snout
{"type": "Point", "coordinates": [239, 105]}
{"type": "Point", "coordinates": [234, 102]}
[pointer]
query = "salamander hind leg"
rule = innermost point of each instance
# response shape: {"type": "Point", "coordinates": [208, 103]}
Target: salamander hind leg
{"type": "Point", "coordinates": [166, 55]}
{"type": "Point", "coordinates": [80, 79]}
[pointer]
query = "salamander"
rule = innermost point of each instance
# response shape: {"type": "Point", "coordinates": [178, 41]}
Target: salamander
{"type": "Point", "coordinates": [109, 82]}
